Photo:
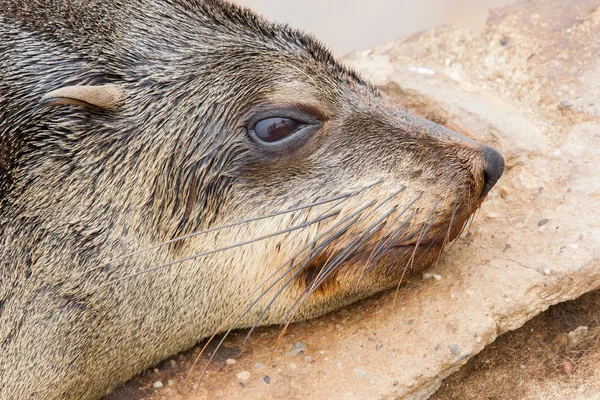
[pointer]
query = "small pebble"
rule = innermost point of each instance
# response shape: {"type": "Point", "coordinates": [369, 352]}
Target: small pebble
{"type": "Point", "coordinates": [156, 370]}
{"type": "Point", "coordinates": [230, 361]}
{"type": "Point", "coordinates": [259, 366]}
{"type": "Point", "coordinates": [173, 363]}
{"type": "Point", "coordinates": [298, 347]}
{"type": "Point", "coordinates": [157, 384]}
{"type": "Point", "coordinates": [566, 104]}
{"type": "Point", "coordinates": [170, 382]}
{"type": "Point", "coordinates": [454, 349]}
{"type": "Point", "coordinates": [543, 222]}
{"type": "Point", "coordinates": [546, 271]}
{"type": "Point", "coordinates": [395, 383]}
{"type": "Point", "coordinates": [244, 375]}
{"type": "Point", "coordinates": [267, 379]}
{"type": "Point", "coordinates": [422, 70]}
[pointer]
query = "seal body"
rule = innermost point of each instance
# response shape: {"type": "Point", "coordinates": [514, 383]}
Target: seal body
{"type": "Point", "coordinates": [128, 126]}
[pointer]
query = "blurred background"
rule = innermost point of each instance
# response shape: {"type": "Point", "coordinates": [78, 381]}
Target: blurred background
{"type": "Point", "coordinates": [347, 25]}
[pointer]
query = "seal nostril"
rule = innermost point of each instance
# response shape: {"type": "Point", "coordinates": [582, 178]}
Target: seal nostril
{"type": "Point", "coordinates": [493, 169]}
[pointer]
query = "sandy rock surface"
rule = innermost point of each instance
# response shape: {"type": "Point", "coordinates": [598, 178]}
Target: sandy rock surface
{"type": "Point", "coordinates": [529, 84]}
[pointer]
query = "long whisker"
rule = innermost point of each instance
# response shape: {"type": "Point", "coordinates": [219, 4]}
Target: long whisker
{"type": "Point", "coordinates": [328, 210]}
{"type": "Point", "coordinates": [298, 271]}
{"type": "Point", "coordinates": [394, 235]}
{"type": "Point", "coordinates": [452, 219]}
{"type": "Point", "coordinates": [400, 214]}
{"type": "Point", "coordinates": [350, 249]}
{"type": "Point", "coordinates": [431, 244]}
{"type": "Point", "coordinates": [447, 238]}
{"type": "Point", "coordinates": [306, 247]}
{"type": "Point", "coordinates": [234, 324]}
{"type": "Point", "coordinates": [317, 282]}
{"type": "Point", "coordinates": [344, 197]}
{"type": "Point", "coordinates": [284, 286]}
{"type": "Point", "coordinates": [205, 253]}
{"type": "Point", "coordinates": [268, 306]}
{"type": "Point", "coordinates": [429, 217]}
{"type": "Point", "coordinates": [377, 252]}
{"type": "Point", "coordinates": [425, 231]}
{"type": "Point", "coordinates": [380, 251]}
{"type": "Point", "coordinates": [391, 197]}
{"type": "Point", "coordinates": [385, 201]}
{"type": "Point", "coordinates": [409, 265]}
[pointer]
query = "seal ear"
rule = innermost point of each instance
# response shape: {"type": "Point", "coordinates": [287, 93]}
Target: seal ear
{"type": "Point", "coordinates": [102, 96]}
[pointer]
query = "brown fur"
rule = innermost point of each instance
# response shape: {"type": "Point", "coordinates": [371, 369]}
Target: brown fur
{"type": "Point", "coordinates": [82, 184]}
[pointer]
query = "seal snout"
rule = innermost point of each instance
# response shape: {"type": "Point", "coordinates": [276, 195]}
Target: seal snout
{"type": "Point", "coordinates": [494, 167]}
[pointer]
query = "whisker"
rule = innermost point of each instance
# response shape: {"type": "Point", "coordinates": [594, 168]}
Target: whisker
{"type": "Point", "coordinates": [409, 265]}
{"type": "Point", "coordinates": [350, 249]}
{"type": "Point", "coordinates": [234, 324]}
{"type": "Point", "coordinates": [447, 238]}
{"type": "Point", "coordinates": [424, 231]}
{"type": "Point", "coordinates": [205, 253]}
{"type": "Point", "coordinates": [431, 244]}
{"type": "Point", "coordinates": [317, 282]}
{"type": "Point", "coordinates": [306, 247]}
{"type": "Point", "coordinates": [375, 258]}
{"type": "Point", "coordinates": [268, 306]}
{"type": "Point", "coordinates": [394, 234]}
{"type": "Point", "coordinates": [344, 197]}
{"type": "Point", "coordinates": [328, 210]}
{"type": "Point", "coordinates": [334, 265]}
{"type": "Point", "coordinates": [384, 245]}
{"type": "Point", "coordinates": [392, 196]}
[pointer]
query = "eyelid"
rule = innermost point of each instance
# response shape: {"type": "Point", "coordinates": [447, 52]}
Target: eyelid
{"type": "Point", "coordinates": [291, 142]}
{"type": "Point", "coordinates": [297, 115]}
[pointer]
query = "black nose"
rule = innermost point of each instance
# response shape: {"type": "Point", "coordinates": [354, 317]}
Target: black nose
{"type": "Point", "coordinates": [493, 169]}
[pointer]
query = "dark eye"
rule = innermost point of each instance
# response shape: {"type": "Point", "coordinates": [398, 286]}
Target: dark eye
{"type": "Point", "coordinates": [275, 129]}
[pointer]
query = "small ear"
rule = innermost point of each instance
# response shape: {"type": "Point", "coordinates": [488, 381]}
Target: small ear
{"type": "Point", "coordinates": [103, 96]}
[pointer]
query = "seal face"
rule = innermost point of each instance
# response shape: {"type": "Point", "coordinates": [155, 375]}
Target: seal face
{"type": "Point", "coordinates": [173, 168]}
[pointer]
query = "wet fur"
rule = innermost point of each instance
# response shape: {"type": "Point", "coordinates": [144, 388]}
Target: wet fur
{"type": "Point", "coordinates": [82, 186]}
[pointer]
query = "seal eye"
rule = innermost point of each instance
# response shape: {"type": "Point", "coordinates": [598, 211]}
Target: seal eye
{"type": "Point", "coordinates": [275, 129]}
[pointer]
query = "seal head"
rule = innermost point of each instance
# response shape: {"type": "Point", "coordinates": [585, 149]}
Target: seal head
{"type": "Point", "coordinates": [191, 168]}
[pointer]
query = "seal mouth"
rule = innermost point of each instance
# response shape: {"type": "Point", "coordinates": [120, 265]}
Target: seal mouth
{"type": "Point", "coordinates": [393, 260]}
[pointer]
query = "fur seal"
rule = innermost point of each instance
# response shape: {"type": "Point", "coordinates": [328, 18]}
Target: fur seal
{"type": "Point", "coordinates": [173, 168]}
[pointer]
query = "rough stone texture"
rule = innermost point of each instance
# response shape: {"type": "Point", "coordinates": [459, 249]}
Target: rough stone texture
{"type": "Point", "coordinates": [529, 84]}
